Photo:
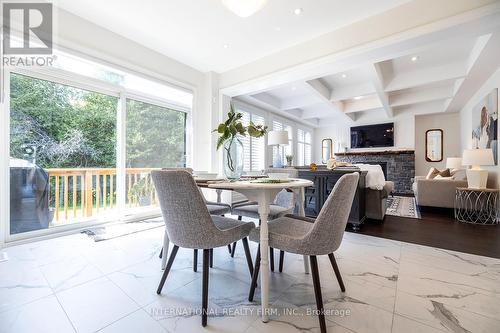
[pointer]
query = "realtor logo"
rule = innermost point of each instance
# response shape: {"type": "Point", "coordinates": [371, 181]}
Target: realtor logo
{"type": "Point", "coordinates": [35, 23]}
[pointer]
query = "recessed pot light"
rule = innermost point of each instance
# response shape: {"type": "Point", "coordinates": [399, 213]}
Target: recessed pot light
{"type": "Point", "coordinates": [225, 46]}
{"type": "Point", "coordinates": [358, 97]}
{"type": "Point", "coordinates": [344, 75]}
{"type": "Point", "coordinates": [414, 58]}
{"type": "Point", "coordinates": [298, 11]}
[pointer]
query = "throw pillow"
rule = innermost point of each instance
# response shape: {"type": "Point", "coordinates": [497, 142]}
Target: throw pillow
{"type": "Point", "coordinates": [433, 172]}
{"type": "Point", "coordinates": [439, 177]}
{"type": "Point", "coordinates": [458, 174]}
{"type": "Point", "coordinates": [445, 173]}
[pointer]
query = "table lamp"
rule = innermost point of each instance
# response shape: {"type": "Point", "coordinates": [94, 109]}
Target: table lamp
{"type": "Point", "coordinates": [454, 163]}
{"type": "Point", "coordinates": [477, 177]}
{"type": "Point", "coordinates": [277, 138]}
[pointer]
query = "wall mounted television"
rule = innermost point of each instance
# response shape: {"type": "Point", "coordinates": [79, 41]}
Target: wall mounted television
{"type": "Point", "coordinates": [372, 136]}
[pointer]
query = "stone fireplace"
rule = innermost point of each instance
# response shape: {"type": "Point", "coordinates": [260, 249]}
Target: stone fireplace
{"type": "Point", "coordinates": [398, 165]}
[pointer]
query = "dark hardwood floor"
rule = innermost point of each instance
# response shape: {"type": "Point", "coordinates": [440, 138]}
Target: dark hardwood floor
{"type": "Point", "coordinates": [438, 229]}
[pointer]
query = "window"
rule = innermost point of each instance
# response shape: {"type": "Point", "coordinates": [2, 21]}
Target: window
{"type": "Point", "coordinates": [62, 154]}
{"type": "Point", "coordinates": [84, 138]}
{"type": "Point", "coordinates": [253, 148]}
{"type": "Point", "coordinates": [282, 149]}
{"type": "Point", "coordinates": [303, 147]}
{"type": "Point", "coordinates": [156, 138]}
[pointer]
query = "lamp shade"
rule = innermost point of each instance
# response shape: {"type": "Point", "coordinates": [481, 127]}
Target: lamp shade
{"type": "Point", "coordinates": [454, 163]}
{"type": "Point", "coordinates": [277, 138]}
{"type": "Point", "coordinates": [478, 157]}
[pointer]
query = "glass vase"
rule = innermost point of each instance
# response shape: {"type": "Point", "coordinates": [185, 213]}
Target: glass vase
{"type": "Point", "coordinates": [233, 159]}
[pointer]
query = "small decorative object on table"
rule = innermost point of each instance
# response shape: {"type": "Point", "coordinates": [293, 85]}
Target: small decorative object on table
{"type": "Point", "coordinates": [331, 164]}
{"type": "Point", "coordinates": [313, 167]}
{"type": "Point", "coordinates": [478, 206]}
{"type": "Point", "coordinates": [230, 132]}
{"type": "Point", "coordinates": [289, 159]}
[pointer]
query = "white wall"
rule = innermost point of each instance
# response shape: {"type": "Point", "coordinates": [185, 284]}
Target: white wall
{"type": "Point", "coordinates": [77, 34]}
{"type": "Point", "coordinates": [466, 124]}
{"type": "Point", "coordinates": [450, 124]}
{"type": "Point", "coordinates": [339, 132]}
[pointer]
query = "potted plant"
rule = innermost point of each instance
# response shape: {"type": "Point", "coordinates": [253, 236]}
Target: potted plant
{"type": "Point", "coordinates": [289, 159]}
{"type": "Point", "coordinates": [230, 132]}
{"type": "Point", "coordinates": [140, 192]}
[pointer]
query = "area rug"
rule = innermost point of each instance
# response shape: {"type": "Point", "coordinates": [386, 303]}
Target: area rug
{"type": "Point", "coordinates": [115, 230]}
{"type": "Point", "coordinates": [402, 207]}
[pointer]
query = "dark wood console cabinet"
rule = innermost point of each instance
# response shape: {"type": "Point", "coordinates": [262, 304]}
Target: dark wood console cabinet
{"type": "Point", "coordinates": [324, 180]}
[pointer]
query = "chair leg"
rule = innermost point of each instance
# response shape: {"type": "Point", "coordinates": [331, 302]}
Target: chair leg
{"type": "Point", "coordinates": [239, 218]}
{"type": "Point", "coordinates": [271, 258]}
{"type": "Point", "coordinates": [317, 293]}
{"type": "Point", "coordinates": [167, 269]}
{"type": "Point", "coordinates": [211, 252]}
{"type": "Point", "coordinates": [255, 275]}
{"type": "Point", "coordinates": [337, 271]}
{"type": "Point", "coordinates": [248, 255]}
{"type": "Point", "coordinates": [204, 293]}
{"type": "Point", "coordinates": [229, 248]}
{"type": "Point", "coordinates": [233, 249]}
{"type": "Point", "coordinates": [282, 258]}
{"type": "Point", "coordinates": [195, 260]}
{"type": "Point", "coordinates": [161, 253]}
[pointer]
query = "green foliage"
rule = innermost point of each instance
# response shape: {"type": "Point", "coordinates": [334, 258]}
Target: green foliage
{"type": "Point", "coordinates": [49, 116]}
{"type": "Point", "coordinates": [75, 128]}
{"type": "Point", "coordinates": [155, 136]}
{"type": "Point", "coordinates": [233, 126]}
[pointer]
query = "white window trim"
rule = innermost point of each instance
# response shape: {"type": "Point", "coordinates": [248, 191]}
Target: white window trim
{"type": "Point", "coordinates": [311, 132]}
{"type": "Point", "coordinates": [259, 112]}
{"type": "Point", "coordinates": [293, 126]}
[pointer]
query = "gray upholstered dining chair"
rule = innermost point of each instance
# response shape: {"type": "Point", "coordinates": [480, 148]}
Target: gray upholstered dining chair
{"type": "Point", "coordinates": [190, 225]}
{"type": "Point", "coordinates": [283, 204]}
{"type": "Point", "coordinates": [306, 236]}
{"type": "Point", "coordinates": [215, 208]}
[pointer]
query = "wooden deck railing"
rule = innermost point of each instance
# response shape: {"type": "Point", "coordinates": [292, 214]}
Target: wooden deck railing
{"type": "Point", "coordinates": [77, 193]}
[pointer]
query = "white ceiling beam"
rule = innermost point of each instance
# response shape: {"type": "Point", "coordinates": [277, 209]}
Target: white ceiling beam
{"type": "Point", "coordinates": [295, 112]}
{"type": "Point", "coordinates": [425, 76]}
{"type": "Point", "coordinates": [323, 93]}
{"type": "Point", "coordinates": [421, 95]}
{"type": "Point", "coordinates": [483, 62]}
{"type": "Point", "coordinates": [348, 92]}
{"type": "Point", "coordinates": [266, 98]}
{"type": "Point", "coordinates": [377, 77]}
{"type": "Point", "coordinates": [297, 102]}
{"type": "Point", "coordinates": [364, 104]}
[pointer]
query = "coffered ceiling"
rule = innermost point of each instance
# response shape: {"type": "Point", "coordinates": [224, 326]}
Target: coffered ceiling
{"type": "Point", "coordinates": [425, 80]}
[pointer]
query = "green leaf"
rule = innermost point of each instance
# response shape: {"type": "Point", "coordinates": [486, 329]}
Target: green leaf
{"type": "Point", "coordinates": [221, 128]}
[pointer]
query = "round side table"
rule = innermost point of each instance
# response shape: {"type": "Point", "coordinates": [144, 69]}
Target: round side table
{"type": "Point", "coordinates": [477, 206]}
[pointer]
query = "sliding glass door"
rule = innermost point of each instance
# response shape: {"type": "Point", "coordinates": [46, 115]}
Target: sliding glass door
{"type": "Point", "coordinates": [62, 154]}
{"type": "Point", "coordinates": [81, 145]}
{"type": "Point", "coordinates": [155, 139]}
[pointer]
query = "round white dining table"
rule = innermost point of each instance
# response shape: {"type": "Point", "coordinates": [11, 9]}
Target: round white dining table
{"type": "Point", "coordinates": [264, 194]}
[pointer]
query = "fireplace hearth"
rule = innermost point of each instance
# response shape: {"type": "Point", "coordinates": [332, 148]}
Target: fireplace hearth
{"type": "Point", "coordinates": [398, 165]}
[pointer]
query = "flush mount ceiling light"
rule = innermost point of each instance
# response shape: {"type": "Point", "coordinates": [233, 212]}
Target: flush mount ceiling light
{"type": "Point", "coordinates": [298, 11]}
{"type": "Point", "coordinates": [244, 8]}
{"type": "Point", "coordinates": [358, 97]}
{"type": "Point", "coordinates": [414, 58]}
{"type": "Point", "coordinates": [344, 75]}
